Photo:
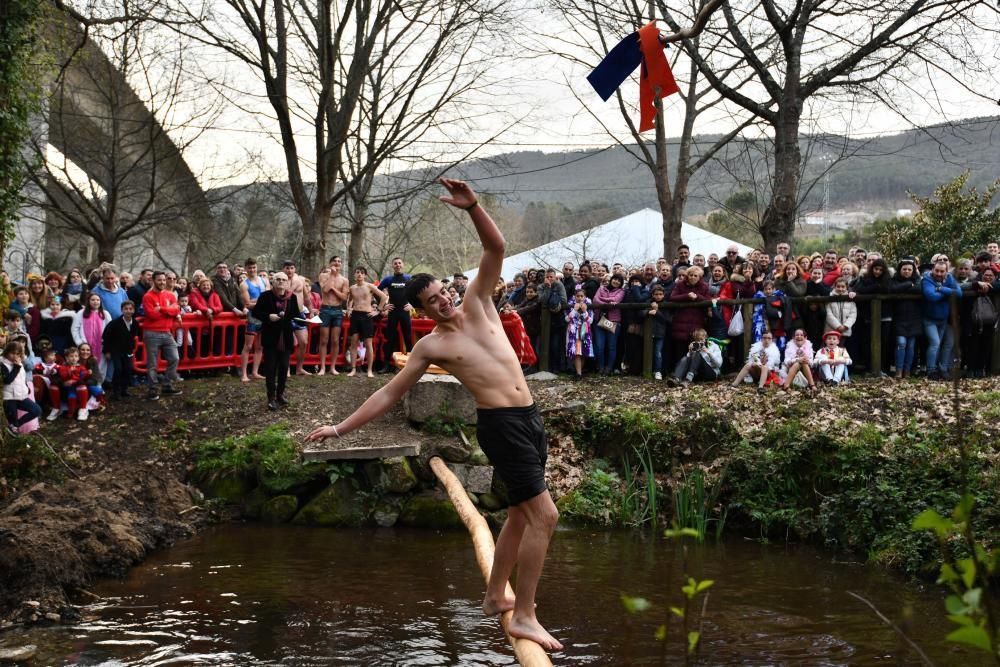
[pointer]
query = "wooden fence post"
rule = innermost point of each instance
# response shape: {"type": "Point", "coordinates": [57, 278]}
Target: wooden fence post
{"type": "Point", "coordinates": [747, 311]}
{"type": "Point", "coordinates": [544, 343]}
{"type": "Point", "coordinates": [875, 345]}
{"type": "Point", "coordinates": [647, 348]}
{"type": "Point", "coordinates": [995, 361]}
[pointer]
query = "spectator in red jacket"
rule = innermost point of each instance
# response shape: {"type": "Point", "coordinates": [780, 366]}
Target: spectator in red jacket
{"type": "Point", "coordinates": [204, 300]}
{"type": "Point", "coordinates": [162, 316]}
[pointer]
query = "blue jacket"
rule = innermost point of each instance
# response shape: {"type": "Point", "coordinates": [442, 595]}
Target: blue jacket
{"type": "Point", "coordinates": [111, 301]}
{"type": "Point", "coordinates": [937, 295]}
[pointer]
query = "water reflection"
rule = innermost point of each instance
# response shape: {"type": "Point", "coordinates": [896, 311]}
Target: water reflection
{"type": "Point", "coordinates": [257, 595]}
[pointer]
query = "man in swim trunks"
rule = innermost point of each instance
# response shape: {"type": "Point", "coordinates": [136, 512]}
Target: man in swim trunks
{"type": "Point", "coordinates": [334, 290]}
{"type": "Point", "coordinates": [362, 314]}
{"type": "Point", "coordinates": [300, 287]}
{"type": "Point", "coordinates": [469, 342]}
{"type": "Point", "coordinates": [251, 288]}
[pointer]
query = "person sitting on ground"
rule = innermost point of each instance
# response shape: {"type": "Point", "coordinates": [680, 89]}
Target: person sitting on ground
{"type": "Point", "coordinates": [798, 359]}
{"type": "Point", "coordinates": [832, 360]}
{"type": "Point", "coordinates": [72, 387]}
{"type": "Point", "coordinates": [764, 358]}
{"type": "Point", "coordinates": [46, 372]}
{"type": "Point", "coordinates": [95, 378]}
{"type": "Point", "coordinates": [703, 360]}
{"type": "Point", "coordinates": [16, 389]}
{"type": "Point", "coordinates": [579, 340]}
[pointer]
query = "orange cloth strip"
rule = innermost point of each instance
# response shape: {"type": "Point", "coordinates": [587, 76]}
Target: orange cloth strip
{"type": "Point", "coordinates": [655, 73]}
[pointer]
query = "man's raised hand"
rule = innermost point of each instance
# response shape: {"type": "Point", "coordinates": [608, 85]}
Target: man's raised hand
{"type": "Point", "coordinates": [460, 195]}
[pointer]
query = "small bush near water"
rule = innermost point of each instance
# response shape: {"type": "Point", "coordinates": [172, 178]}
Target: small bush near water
{"type": "Point", "coordinates": [849, 486]}
{"type": "Point", "coordinates": [269, 456]}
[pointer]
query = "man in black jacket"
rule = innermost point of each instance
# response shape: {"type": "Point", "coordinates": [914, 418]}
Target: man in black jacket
{"type": "Point", "coordinates": [276, 309]}
{"type": "Point", "coordinates": [118, 343]}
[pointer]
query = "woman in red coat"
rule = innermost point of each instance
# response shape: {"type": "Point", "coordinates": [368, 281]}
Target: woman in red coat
{"type": "Point", "coordinates": [688, 289]}
{"type": "Point", "coordinates": [204, 301]}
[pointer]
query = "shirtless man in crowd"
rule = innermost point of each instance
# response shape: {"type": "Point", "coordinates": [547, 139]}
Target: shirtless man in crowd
{"type": "Point", "coordinates": [469, 342]}
{"type": "Point", "coordinates": [334, 290]}
{"type": "Point", "coordinates": [300, 287]}
{"type": "Point", "coordinates": [361, 312]}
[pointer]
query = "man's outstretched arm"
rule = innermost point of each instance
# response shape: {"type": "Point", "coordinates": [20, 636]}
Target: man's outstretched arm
{"type": "Point", "coordinates": [460, 195]}
{"type": "Point", "coordinates": [379, 402]}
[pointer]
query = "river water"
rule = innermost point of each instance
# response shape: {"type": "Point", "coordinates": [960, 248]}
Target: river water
{"type": "Point", "coordinates": [260, 595]}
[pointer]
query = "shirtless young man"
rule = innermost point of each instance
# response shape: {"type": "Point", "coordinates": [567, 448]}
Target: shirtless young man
{"type": "Point", "coordinates": [469, 342]}
{"type": "Point", "coordinates": [300, 287]}
{"type": "Point", "coordinates": [334, 289]}
{"type": "Point", "coordinates": [251, 288]}
{"type": "Point", "coordinates": [361, 312]}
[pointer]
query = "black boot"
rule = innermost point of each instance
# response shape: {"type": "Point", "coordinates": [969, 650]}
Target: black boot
{"type": "Point", "coordinates": [271, 403]}
{"type": "Point", "coordinates": [281, 401]}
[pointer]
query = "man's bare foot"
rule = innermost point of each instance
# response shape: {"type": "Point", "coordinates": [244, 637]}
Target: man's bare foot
{"type": "Point", "coordinates": [302, 371]}
{"type": "Point", "coordinates": [370, 374]}
{"type": "Point", "coordinates": [244, 378]}
{"type": "Point", "coordinates": [494, 606]}
{"type": "Point", "coordinates": [322, 370]}
{"type": "Point", "coordinates": [333, 371]}
{"type": "Point", "coordinates": [352, 373]}
{"type": "Point", "coordinates": [257, 376]}
{"type": "Point", "coordinates": [533, 630]}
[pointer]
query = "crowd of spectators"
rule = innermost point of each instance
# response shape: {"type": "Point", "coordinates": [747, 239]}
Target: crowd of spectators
{"type": "Point", "coordinates": [792, 343]}
{"type": "Point", "coordinates": [68, 339]}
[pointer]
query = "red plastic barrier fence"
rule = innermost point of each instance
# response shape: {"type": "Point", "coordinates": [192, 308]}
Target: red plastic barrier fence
{"type": "Point", "coordinates": [216, 343]}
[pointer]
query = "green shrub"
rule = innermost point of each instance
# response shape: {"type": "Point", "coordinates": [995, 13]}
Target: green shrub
{"type": "Point", "coordinates": [270, 456]}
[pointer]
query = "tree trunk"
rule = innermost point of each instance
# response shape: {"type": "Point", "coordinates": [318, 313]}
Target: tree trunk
{"type": "Point", "coordinates": [106, 249]}
{"type": "Point", "coordinates": [357, 238]}
{"type": "Point", "coordinates": [778, 222]}
{"type": "Point", "coordinates": [670, 212]}
{"type": "Point", "coordinates": [314, 241]}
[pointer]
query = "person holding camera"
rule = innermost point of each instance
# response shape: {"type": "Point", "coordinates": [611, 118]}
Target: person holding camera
{"type": "Point", "coordinates": [579, 340]}
{"type": "Point", "coordinates": [703, 361]}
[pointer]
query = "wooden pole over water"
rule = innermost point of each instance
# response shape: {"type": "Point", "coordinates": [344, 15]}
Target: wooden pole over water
{"type": "Point", "coordinates": [527, 652]}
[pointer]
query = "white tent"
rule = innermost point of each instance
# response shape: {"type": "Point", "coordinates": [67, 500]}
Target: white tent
{"type": "Point", "coordinates": [632, 240]}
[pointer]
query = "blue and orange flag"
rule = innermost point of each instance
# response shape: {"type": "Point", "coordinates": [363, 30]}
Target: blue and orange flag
{"type": "Point", "coordinates": [641, 48]}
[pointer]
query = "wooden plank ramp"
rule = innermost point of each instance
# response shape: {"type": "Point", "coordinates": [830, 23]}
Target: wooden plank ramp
{"type": "Point", "coordinates": [527, 652]}
{"type": "Point", "coordinates": [358, 453]}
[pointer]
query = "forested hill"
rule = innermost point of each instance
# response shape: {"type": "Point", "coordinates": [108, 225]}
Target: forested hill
{"type": "Point", "coordinates": [875, 172]}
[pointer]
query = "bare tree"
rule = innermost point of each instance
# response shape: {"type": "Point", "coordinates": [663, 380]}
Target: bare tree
{"type": "Point", "coordinates": [596, 27]}
{"type": "Point", "coordinates": [372, 74]}
{"type": "Point", "coordinates": [806, 51]}
{"type": "Point", "coordinates": [121, 117]}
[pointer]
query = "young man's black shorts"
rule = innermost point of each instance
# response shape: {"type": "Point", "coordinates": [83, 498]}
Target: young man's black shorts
{"type": "Point", "coordinates": [361, 325]}
{"type": "Point", "coordinates": [514, 440]}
